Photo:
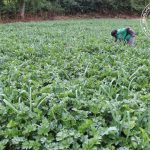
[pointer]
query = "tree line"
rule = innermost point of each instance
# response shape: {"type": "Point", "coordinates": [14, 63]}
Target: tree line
{"type": "Point", "coordinates": [12, 8]}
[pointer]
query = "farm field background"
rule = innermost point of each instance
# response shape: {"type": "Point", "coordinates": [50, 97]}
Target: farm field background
{"type": "Point", "coordinates": [68, 85]}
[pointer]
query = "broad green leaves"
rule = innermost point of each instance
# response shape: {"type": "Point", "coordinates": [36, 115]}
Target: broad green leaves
{"type": "Point", "coordinates": [67, 85]}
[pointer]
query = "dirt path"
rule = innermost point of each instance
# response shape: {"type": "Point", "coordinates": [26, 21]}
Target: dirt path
{"type": "Point", "coordinates": [30, 18]}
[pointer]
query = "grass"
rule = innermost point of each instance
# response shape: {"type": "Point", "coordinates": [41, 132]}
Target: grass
{"type": "Point", "coordinates": [68, 85]}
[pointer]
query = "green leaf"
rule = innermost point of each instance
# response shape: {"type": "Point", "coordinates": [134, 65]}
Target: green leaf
{"type": "Point", "coordinates": [110, 130]}
{"type": "Point", "coordinates": [85, 125]}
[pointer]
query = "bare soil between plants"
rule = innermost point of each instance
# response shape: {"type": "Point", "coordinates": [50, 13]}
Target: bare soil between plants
{"type": "Point", "coordinates": [51, 16]}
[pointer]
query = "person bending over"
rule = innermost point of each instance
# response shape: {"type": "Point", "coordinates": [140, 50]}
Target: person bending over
{"type": "Point", "coordinates": [124, 34]}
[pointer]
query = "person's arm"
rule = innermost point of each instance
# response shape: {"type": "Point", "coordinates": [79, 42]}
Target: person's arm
{"type": "Point", "coordinates": [116, 38]}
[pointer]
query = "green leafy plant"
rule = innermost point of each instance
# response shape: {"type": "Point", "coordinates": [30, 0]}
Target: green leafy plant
{"type": "Point", "coordinates": [67, 85]}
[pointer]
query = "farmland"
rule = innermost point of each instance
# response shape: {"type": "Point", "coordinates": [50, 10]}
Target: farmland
{"type": "Point", "coordinates": [68, 85]}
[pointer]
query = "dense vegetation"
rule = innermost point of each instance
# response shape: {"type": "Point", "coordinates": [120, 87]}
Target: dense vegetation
{"type": "Point", "coordinates": [67, 85]}
{"type": "Point", "coordinates": [12, 8]}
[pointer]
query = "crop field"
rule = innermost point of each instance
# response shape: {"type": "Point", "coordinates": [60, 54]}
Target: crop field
{"type": "Point", "coordinates": [66, 85]}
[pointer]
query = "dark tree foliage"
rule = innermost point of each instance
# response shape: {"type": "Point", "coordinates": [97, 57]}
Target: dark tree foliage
{"type": "Point", "coordinates": [22, 7]}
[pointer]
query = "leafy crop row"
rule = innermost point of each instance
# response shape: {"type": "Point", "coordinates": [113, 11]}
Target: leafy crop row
{"type": "Point", "coordinates": [67, 85]}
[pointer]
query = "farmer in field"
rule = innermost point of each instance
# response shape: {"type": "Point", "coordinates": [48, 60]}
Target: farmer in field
{"type": "Point", "coordinates": [125, 34]}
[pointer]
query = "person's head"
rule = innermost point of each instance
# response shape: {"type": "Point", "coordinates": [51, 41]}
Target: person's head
{"type": "Point", "coordinates": [114, 33]}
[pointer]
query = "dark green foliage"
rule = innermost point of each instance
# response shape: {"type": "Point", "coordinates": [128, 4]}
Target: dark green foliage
{"type": "Point", "coordinates": [12, 7]}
